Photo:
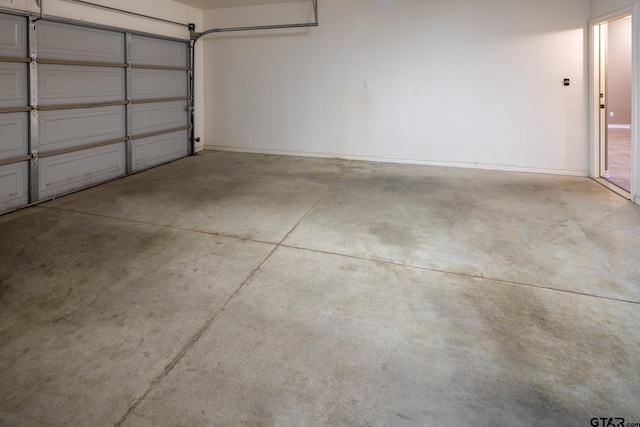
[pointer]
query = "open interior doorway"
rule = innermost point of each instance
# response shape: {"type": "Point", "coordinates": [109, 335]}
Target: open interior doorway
{"type": "Point", "coordinates": [614, 47]}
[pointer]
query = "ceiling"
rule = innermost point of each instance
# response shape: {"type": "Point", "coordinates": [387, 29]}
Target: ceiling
{"type": "Point", "coordinates": [219, 4]}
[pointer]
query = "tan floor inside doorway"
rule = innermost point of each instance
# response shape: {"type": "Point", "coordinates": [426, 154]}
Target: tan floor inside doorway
{"type": "Point", "coordinates": [619, 157]}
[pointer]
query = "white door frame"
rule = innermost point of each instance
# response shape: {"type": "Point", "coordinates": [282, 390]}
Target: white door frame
{"type": "Point", "coordinates": [594, 103]}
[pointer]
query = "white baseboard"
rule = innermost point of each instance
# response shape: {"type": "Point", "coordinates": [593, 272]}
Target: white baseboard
{"type": "Point", "coordinates": [637, 200]}
{"type": "Point", "coordinates": [483, 166]}
{"type": "Point", "coordinates": [619, 126]}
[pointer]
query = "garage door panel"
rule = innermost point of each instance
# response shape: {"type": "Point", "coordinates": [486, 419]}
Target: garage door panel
{"type": "Point", "coordinates": [14, 188]}
{"type": "Point", "coordinates": [70, 128]}
{"type": "Point", "coordinates": [14, 129]}
{"type": "Point", "coordinates": [73, 171]}
{"type": "Point", "coordinates": [74, 131]}
{"type": "Point", "coordinates": [148, 152]}
{"type": "Point", "coordinates": [150, 51]}
{"type": "Point", "coordinates": [68, 42]}
{"type": "Point", "coordinates": [154, 84]}
{"type": "Point", "coordinates": [13, 36]}
{"type": "Point", "coordinates": [159, 116]}
{"type": "Point", "coordinates": [13, 85]}
{"type": "Point", "coordinates": [63, 84]}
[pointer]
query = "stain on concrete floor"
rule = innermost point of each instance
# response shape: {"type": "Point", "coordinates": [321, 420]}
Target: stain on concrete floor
{"type": "Point", "coordinates": [237, 289]}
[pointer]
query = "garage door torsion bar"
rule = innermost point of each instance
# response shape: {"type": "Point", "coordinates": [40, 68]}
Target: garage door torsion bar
{"type": "Point", "coordinates": [196, 36]}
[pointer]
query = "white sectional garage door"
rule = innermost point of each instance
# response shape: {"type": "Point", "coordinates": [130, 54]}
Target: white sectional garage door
{"type": "Point", "coordinates": [14, 113]}
{"type": "Point", "coordinates": [159, 88]}
{"type": "Point", "coordinates": [80, 106]}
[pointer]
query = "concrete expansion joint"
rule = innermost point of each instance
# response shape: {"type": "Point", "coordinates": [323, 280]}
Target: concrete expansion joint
{"type": "Point", "coordinates": [329, 187]}
{"type": "Point", "coordinates": [151, 224]}
{"type": "Point", "coordinates": [210, 321]}
{"type": "Point", "coordinates": [453, 273]}
{"type": "Point", "coordinates": [418, 291]}
{"type": "Point", "coordinates": [183, 352]}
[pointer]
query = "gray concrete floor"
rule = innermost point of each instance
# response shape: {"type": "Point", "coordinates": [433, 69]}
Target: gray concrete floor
{"type": "Point", "coordinates": [248, 290]}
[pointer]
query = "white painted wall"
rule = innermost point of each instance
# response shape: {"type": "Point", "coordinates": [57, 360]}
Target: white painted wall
{"type": "Point", "coordinates": [599, 9]}
{"type": "Point", "coordinates": [165, 9]}
{"type": "Point", "coordinates": [604, 7]}
{"type": "Point", "coordinates": [457, 82]}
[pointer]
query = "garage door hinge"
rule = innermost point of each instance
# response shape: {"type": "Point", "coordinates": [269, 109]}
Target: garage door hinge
{"type": "Point", "coordinates": [34, 156]}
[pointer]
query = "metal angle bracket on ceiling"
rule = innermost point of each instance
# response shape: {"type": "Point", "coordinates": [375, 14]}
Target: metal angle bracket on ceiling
{"type": "Point", "coordinates": [195, 36]}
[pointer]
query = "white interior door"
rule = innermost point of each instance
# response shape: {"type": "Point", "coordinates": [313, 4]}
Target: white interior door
{"type": "Point", "coordinates": [616, 88]}
{"type": "Point", "coordinates": [613, 90]}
